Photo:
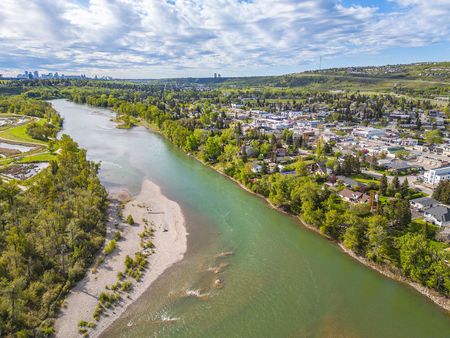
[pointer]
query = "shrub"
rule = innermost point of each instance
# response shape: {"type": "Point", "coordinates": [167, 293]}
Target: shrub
{"type": "Point", "coordinates": [110, 247]}
{"type": "Point", "coordinates": [117, 236]}
{"type": "Point", "coordinates": [130, 220]}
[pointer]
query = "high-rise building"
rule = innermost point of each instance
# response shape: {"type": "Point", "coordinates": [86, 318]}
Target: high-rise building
{"type": "Point", "coordinates": [215, 75]}
{"type": "Point", "coordinates": [36, 74]}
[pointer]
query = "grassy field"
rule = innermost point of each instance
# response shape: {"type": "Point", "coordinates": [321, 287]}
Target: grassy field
{"type": "Point", "coordinates": [5, 161]}
{"type": "Point", "coordinates": [364, 179]}
{"type": "Point", "coordinates": [19, 134]}
{"type": "Point", "coordinates": [45, 157]}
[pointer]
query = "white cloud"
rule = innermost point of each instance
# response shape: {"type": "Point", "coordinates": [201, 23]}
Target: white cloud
{"type": "Point", "coordinates": [189, 37]}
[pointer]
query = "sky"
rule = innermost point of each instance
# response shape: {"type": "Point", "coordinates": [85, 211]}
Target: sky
{"type": "Point", "coordinates": [197, 38]}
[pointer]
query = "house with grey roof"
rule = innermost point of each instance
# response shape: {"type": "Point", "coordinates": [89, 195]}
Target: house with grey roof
{"type": "Point", "coordinates": [439, 215]}
{"type": "Point", "coordinates": [349, 182]}
{"type": "Point", "coordinates": [423, 203]}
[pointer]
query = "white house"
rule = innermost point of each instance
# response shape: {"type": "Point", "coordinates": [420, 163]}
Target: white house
{"type": "Point", "coordinates": [439, 215]}
{"type": "Point", "coordinates": [434, 176]}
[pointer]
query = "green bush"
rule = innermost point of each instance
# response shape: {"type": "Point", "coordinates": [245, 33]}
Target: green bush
{"type": "Point", "coordinates": [130, 220]}
{"type": "Point", "coordinates": [110, 247]}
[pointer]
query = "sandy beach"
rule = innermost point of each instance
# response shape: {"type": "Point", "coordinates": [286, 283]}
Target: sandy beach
{"type": "Point", "coordinates": [170, 241]}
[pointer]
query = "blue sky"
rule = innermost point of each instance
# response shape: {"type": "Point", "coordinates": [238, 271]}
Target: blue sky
{"type": "Point", "coordinates": [180, 38]}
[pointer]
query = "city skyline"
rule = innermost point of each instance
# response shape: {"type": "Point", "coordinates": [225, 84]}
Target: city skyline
{"type": "Point", "coordinates": [180, 38]}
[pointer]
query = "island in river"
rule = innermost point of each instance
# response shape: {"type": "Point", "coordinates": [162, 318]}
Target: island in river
{"type": "Point", "coordinates": [280, 281]}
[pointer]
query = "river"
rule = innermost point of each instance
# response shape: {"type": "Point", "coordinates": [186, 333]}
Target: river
{"type": "Point", "coordinates": [281, 280]}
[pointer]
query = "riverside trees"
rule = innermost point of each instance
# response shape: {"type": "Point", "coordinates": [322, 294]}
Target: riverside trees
{"type": "Point", "coordinates": [48, 236]}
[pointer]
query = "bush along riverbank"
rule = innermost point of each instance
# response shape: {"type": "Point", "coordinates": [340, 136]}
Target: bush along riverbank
{"type": "Point", "coordinates": [383, 234]}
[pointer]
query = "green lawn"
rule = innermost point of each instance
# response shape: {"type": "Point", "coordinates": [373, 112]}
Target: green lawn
{"type": "Point", "coordinates": [46, 157]}
{"type": "Point", "coordinates": [5, 161]}
{"type": "Point", "coordinates": [364, 179]}
{"type": "Point", "coordinates": [19, 134]}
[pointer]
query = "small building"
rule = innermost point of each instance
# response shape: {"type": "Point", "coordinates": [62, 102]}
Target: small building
{"type": "Point", "coordinates": [439, 215]}
{"type": "Point", "coordinates": [257, 168]}
{"type": "Point", "coordinates": [423, 203]}
{"type": "Point", "coordinates": [434, 176]}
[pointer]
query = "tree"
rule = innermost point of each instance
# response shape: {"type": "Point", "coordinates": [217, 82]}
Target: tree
{"type": "Point", "coordinates": [130, 220]}
{"type": "Point", "coordinates": [442, 192]}
{"type": "Point", "coordinates": [212, 149]}
{"type": "Point", "coordinates": [399, 213]}
{"type": "Point", "coordinates": [377, 246]}
{"type": "Point", "coordinates": [415, 256]}
{"type": "Point", "coordinates": [433, 137]}
{"type": "Point", "coordinates": [192, 143]}
{"type": "Point", "coordinates": [395, 184]}
{"type": "Point", "coordinates": [404, 188]}
{"type": "Point", "coordinates": [332, 223]}
{"type": "Point", "coordinates": [354, 238]}
{"type": "Point", "coordinates": [383, 185]}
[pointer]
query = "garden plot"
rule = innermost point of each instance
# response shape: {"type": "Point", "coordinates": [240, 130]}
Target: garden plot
{"type": "Point", "coordinates": [24, 171]}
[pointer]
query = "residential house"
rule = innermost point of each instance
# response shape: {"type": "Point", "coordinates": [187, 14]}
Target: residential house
{"type": "Point", "coordinates": [348, 182]}
{"type": "Point", "coordinates": [439, 215]}
{"type": "Point", "coordinates": [424, 203]}
{"type": "Point", "coordinates": [399, 166]}
{"type": "Point", "coordinates": [353, 196]}
{"type": "Point", "coordinates": [434, 176]}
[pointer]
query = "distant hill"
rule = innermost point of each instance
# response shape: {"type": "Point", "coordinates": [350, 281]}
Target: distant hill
{"type": "Point", "coordinates": [372, 78]}
{"type": "Point", "coordinates": [435, 71]}
{"type": "Point", "coordinates": [426, 80]}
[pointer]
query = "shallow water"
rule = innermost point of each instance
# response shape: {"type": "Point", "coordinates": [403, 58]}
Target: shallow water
{"type": "Point", "coordinates": [281, 280]}
{"type": "Point", "coordinates": [14, 146]}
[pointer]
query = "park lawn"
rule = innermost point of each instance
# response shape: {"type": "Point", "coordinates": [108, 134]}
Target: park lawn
{"type": "Point", "coordinates": [45, 157]}
{"type": "Point", "coordinates": [19, 134]}
{"type": "Point", "coordinates": [364, 179]}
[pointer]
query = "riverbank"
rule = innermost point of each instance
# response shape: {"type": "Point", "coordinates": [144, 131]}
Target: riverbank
{"type": "Point", "coordinates": [152, 208]}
